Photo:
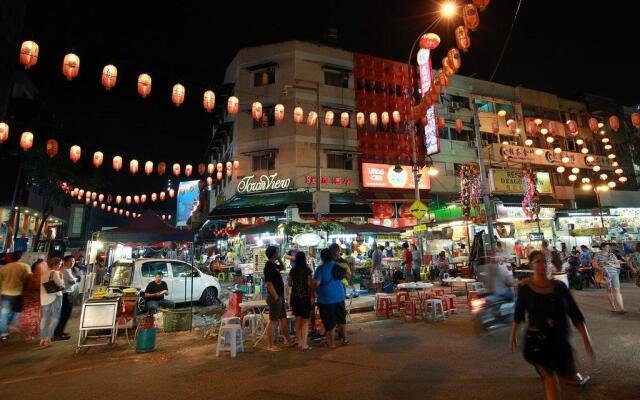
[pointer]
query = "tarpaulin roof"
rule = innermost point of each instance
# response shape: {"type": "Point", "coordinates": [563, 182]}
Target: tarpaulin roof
{"type": "Point", "coordinates": [149, 227]}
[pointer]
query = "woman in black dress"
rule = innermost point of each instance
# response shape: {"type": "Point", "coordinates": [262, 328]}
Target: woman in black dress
{"type": "Point", "coordinates": [300, 282]}
{"type": "Point", "coordinates": [547, 304]}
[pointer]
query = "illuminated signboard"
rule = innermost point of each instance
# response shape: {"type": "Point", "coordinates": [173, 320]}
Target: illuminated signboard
{"type": "Point", "coordinates": [188, 201]}
{"type": "Point", "coordinates": [383, 176]}
{"type": "Point", "coordinates": [431, 136]}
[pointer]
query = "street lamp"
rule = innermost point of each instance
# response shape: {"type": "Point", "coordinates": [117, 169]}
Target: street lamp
{"type": "Point", "coordinates": [448, 9]}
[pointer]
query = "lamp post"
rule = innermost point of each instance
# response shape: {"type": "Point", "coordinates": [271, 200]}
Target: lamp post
{"type": "Point", "coordinates": [597, 189]}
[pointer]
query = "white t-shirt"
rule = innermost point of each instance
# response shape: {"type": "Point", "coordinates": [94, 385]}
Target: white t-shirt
{"type": "Point", "coordinates": [48, 298]}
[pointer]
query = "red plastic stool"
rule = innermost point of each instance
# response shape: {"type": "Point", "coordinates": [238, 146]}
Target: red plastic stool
{"type": "Point", "coordinates": [450, 299]}
{"type": "Point", "coordinates": [410, 309]}
{"type": "Point", "coordinates": [438, 292]}
{"type": "Point", "coordinates": [473, 294]}
{"type": "Point", "coordinates": [386, 306]}
{"type": "Point", "coordinates": [401, 298]}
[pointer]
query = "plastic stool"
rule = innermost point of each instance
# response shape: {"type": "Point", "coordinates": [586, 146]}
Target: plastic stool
{"type": "Point", "coordinates": [432, 308]}
{"type": "Point", "coordinates": [251, 322]}
{"type": "Point", "coordinates": [377, 300]}
{"type": "Point", "coordinates": [230, 339]}
{"type": "Point", "coordinates": [450, 300]}
{"type": "Point", "coordinates": [473, 294]}
{"type": "Point", "coordinates": [438, 292]}
{"type": "Point", "coordinates": [410, 309]}
{"type": "Point", "coordinates": [230, 321]}
{"type": "Point", "coordinates": [386, 306]}
{"type": "Point", "coordinates": [401, 298]}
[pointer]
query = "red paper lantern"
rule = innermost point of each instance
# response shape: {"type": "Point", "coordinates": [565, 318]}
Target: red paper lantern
{"type": "Point", "coordinates": [148, 167]}
{"type": "Point", "coordinates": [373, 119]}
{"type": "Point", "coordinates": [256, 110]}
{"type": "Point", "coordinates": [172, 193]}
{"type": "Point", "coordinates": [360, 119]}
{"type": "Point", "coordinates": [169, 217]}
{"type": "Point", "coordinates": [553, 127]}
{"type": "Point", "coordinates": [101, 197]}
{"type": "Point", "coordinates": [127, 213]}
{"type": "Point", "coordinates": [109, 76]}
{"type": "Point", "coordinates": [532, 128]}
{"type": "Point", "coordinates": [136, 199]}
{"type": "Point", "coordinates": [298, 115]}
{"type": "Point", "coordinates": [463, 41]}
{"type": "Point", "coordinates": [383, 210]}
{"type": "Point", "coordinates": [162, 167]}
{"type": "Point", "coordinates": [573, 127]}
{"type": "Point", "coordinates": [109, 199]}
{"type": "Point", "coordinates": [455, 61]}
{"type": "Point", "coordinates": [117, 163]}
{"type": "Point", "coordinates": [143, 198]}
{"type": "Point", "coordinates": [385, 118]}
{"type": "Point", "coordinates": [405, 210]}
{"type": "Point", "coordinates": [29, 52]}
{"type": "Point", "coordinates": [232, 106]}
{"type": "Point", "coordinates": [164, 217]}
{"type": "Point", "coordinates": [470, 17]}
{"type": "Point", "coordinates": [120, 211]}
{"type": "Point", "coordinates": [87, 201]}
{"type": "Point", "coordinates": [74, 153]}
{"type": "Point", "coordinates": [210, 168]}
{"type": "Point", "coordinates": [513, 127]}
{"type": "Point", "coordinates": [201, 169]}
{"type": "Point", "coordinates": [188, 169]}
{"type": "Point", "coordinates": [176, 169]}
{"type": "Point", "coordinates": [26, 140]}
{"type": "Point", "coordinates": [162, 196]}
{"type": "Point", "coordinates": [219, 176]}
{"type": "Point", "coordinates": [102, 206]}
{"type": "Point", "coordinates": [119, 199]}
{"type": "Point", "coordinates": [396, 117]}
{"type": "Point", "coordinates": [219, 167]}
{"type": "Point", "coordinates": [459, 125]}
{"type": "Point", "coordinates": [278, 112]}
{"type": "Point", "coordinates": [71, 66]}
{"type": "Point", "coordinates": [442, 76]}
{"type": "Point", "coordinates": [328, 118]}
{"type": "Point", "coordinates": [481, 4]}
{"type": "Point", "coordinates": [344, 119]}
{"type": "Point", "coordinates": [108, 208]}
{"type": "Point", "coordinates": [94, 195]}
{"type": "Point", "coordinates": [495, 127]}
{"type": "Point", "coordinates": [52, 147]}
{"type": "Point", "coordinates": [4, 132]}
{"type": "Point", "coordinates": [144, 85]}
{"type": "Point", "coordinates": [209, 181]}
{"type": "Point", "coordinates": [429, 41]}
{"type": "Point", "coordinates": [614, 123]}
{"type": "Point", "coordinates": [177, 94]}
{"type": "Point", "coordinates": [229, 166]}
{"type": "Point", "coordinates": [209, 100]}
{"type": "Point", "coordinates": [98, 159]}
{"type": "Point", "coordinates": [236, 164]}
{"type": "Point", "coordinates": [635, 120]}
{"type": "Point", "coordinates": [154, 197]}
{"type": "Point", "coordinates": [80, 193]}
{"type": "Point", "coordinates": [133, 166]}
{"type": "Point", "coordinates": [312, 118]}
{"type": "Point", "coordinates": [593, 124]}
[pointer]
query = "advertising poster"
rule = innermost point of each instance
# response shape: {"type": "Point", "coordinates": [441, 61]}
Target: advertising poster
{"type": "Point", "coordinates": [188, 197]}
{"type": "Point", "coordinates": [383, 176]}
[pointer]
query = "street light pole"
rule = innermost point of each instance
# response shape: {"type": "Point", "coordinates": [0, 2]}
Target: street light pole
{"type": "Point", "coordinates": [595, 189]}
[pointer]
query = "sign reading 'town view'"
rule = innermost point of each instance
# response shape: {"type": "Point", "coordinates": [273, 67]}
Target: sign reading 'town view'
{"type": "Point", "coordinates": [383, 176]}
{"type": "Point", "coordinates": [262, 184]}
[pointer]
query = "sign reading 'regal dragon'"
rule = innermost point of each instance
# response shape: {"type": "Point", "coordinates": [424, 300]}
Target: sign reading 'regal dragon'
{"type": "Point", "coordinates": [251, 184]}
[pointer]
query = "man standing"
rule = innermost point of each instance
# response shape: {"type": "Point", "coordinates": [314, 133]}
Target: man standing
{"type": "Point", "coordinates": [13, 277]}
{"type": "Point", "coordinates": [291, 256]}
{"type": "Point", "coordinates": [376, 259]}
{"type": "Point", "coordinates": [67, 306]}
{"type": "Point", "coordinates": [341, 310]}
{"type": "Point", "coordinates": [275, 298]}
{"type": "Point", "coordinates": [155, 292]}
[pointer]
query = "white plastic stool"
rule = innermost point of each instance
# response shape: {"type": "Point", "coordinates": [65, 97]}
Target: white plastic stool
{"type": "Point", "coordinates": [230, 321]}
{"type": "Point", "coordinates": [250, 324]}
{"type": "Point", "coordinates": [475, 286]}
{"type": "Point", "coordinates": [435, 314]}
{"type": "Point", "coordinates": [230, 339]}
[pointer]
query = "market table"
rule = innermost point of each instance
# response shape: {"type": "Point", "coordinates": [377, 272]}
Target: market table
{"type": "Point", "coordinates": [465, 281]}
{"type": "Point", "coordinates": [258, 306]}
{"type": "Point", "coordinates": [419, 287]}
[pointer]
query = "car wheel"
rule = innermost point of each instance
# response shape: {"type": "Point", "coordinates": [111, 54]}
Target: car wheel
{"type": "Point", "coordinates": [209, 296]}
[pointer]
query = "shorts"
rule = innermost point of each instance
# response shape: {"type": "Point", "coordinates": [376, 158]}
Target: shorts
{"type": "Point", "coordinates": [277, 310]}
{"type": "Point", "coordinates": [332, 314]}
{"type": "Point", "coordinates": [614, 278]}
{"type": "Point", "coordinates": [301, 307]}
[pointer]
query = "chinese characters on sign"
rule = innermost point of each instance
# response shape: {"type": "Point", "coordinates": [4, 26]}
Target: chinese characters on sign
{"type": "Point", "coordinates": [329, 180]}
{"type": "Point", "coordinates": [383, 176]}
{"type": "Point", "coordinates": [508, 152]}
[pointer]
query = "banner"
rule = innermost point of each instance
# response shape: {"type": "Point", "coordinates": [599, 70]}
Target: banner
{"type": "Point", "coordinates": [527, 155]}
{"type": "Point", "coordinates": [509, 181]}
{"type": "Point", "coordinates": [383, 176]}
{"type": "Point", "coordinates": [431, 134]}
{"type": "Point", "coordinates": [188, 198]}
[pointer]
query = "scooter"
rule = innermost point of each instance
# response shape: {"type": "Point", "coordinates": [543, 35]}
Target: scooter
{"type": "Point", "coordinates": [491, 312]}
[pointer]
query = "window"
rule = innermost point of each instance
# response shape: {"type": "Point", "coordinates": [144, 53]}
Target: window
{"type": "Point", "coordinates": [268, 118]}
{"type": "Point", "coordinates": [340, 161]}
{"type": "Point", "coordinates": [574, 117]}
{"type": "Point", "coordinates": [551, 115]}
{"type": "Point", "coordinates": [530, 111]}
{"type": "Point", "coordinates": [459, 102]}
{"type": "Point", "coordinates": [264, 77]}
{"type": "Point", "coordinates": [464, 135]}
{"type": "Point", "coordinates": [484, 106]}
{"type": "Point", "coordinates": [444, 133]}
{"type": "Point", "coordinates": [489, 137]}
{"type": "Point", "coordinates": [571, 145]}
{"type": "Point", "coordinates": [264, 162]}
{"type": "Point", "coordinates": [150, 269]}
{"type": "Point", "coordinates": [505, 107]}
{"type": "Point", "coordinates": [584, 120]}
{"type": "Point", "coordinates": [336, 78]}
{"type": "Point", "coordinates": [181, 270]}
{"type": "Point", "coordinates": [560, 179]}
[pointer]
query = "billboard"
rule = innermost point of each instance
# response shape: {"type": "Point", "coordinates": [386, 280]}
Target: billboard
{"type": "Point", "coordinates": [431, 134]}
{"type": "Point", "coordinates": [509, 181]}
{"type": "Point", "coordinates": [188, 199]}
{"type": "Point", "coordinates": [383, 176]}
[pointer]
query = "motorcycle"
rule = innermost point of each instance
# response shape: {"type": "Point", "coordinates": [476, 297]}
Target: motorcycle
{"type": "Point", "coordinates": [491, 312]}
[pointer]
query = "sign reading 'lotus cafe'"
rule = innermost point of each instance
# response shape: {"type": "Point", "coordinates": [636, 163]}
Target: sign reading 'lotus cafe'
{"type": "Point", "coordinates": [263, 183]}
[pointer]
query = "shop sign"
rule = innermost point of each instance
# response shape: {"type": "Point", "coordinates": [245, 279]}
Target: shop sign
{"type": "Point", "coordinates": [536, 236]}
{"type": "Point", "coordinates": [393, 222]}
{"type": "Point", "coordinates": [504, 212]}
{"type": "Point", "coordinates": [510, 181]}
{"type": "Point", "coordinates": [420, 228]}
{"type": "Point", "coordinates": [383, 176]}
{"type": "Point", "coordinates": [527, 155]}
{"type": "Point", "coordinates": [307, 239]}
{"type": "Point", "coordinates": [329, 180]}
{"type": "Point", "coordinates": [251, 184]}
{"type": "Point", "coordinates": [418, 209]}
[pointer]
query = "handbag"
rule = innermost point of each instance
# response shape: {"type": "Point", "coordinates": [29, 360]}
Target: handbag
{"type": "Point", "coordinates": [51, 286]}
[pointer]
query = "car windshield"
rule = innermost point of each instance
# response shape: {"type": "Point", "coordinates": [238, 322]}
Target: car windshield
{"type": "Point", "coordinates": [121, 274]}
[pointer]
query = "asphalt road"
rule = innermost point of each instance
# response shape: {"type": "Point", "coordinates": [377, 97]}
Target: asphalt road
{"type": "Point", "coordinates": [386, 359]}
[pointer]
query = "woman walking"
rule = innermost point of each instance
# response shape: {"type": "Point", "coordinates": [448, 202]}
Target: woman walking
{"type": "Point", "coordinates": [300, 282]}
{"type": "Point", "coordinates": [51, 303]}
{"type": "Point", "coordinates": [548, 304]}
{"type": "Point", "coordinates": [609, 264]}
{"type": "Point", "coordinates": [29, 323]}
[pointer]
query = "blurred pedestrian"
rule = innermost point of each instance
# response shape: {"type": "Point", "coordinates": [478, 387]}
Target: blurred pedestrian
{"type": "Point", "coordinates": [29, 324]}
{"type": "Point", "coordinates": [609, 265]}
{"type": "Point", "coordinates": [13, 277]}
{"type": "Point", "coordinates": [67, 305]}
{"type": "Point", "coordinates": [416, 261]}
{"type": "Point", "coordinates": [300, 282]}
{"type": "Point", "coordinates": [50, 303]}
{"type": "Point", "coordinates": [407, 262]}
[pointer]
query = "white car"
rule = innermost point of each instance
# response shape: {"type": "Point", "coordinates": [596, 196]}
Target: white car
{"type": "Point", "coordinates": [177, 274]}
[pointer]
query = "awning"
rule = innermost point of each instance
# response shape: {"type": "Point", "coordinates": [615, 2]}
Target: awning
{"type": "Point", "coordinates": [369, 228]}
{"type": "Point", "coordinates": [516, 201]}
{"type": "Point", "coordinates": [269, 226]}
{"type": "Point", "coordinates": [407, 196]}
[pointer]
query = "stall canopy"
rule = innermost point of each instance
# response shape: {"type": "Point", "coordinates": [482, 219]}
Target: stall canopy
{"type": "Point", "coordinates": [369, 228]}
{"type": "Point", "coordinates": [147, 228]}
{"type": "Point", "coordinates": [516, 201]}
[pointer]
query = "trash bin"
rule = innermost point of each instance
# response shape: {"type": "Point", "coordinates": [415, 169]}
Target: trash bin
{"type": "Point", "coordinates": [146, 334]}
{"type": "Point", "coordinates": [174, 320]}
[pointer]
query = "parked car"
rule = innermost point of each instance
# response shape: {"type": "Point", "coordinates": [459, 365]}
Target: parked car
{"type": "Point", "coordinates": [177, 274]}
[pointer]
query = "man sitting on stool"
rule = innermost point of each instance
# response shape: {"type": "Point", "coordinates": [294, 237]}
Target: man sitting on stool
{"type": "Point", "coordinates": [154, 294]}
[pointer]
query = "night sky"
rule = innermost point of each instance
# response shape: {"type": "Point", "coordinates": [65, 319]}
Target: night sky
{"type": "Point", "coordinates": [564, 47]}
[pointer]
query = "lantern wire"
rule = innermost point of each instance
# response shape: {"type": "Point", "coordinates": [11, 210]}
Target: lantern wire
{"type": "Point", "coordinates": [506, 42]}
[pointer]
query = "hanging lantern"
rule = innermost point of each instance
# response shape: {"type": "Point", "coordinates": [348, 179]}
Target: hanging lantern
{"type": "Point", "coordinates": [52, 147]}
{"type": "Point", "coordinates": [312, 118]}
{"type": "Point", "coordinates": [210, 168]}
{"type": "Point", "coordinates": [575, 170]}
{"type": "Point", "coordinates": [278, 112]}
{"type": "Point", "coordinates": [219, 175]}
{"type": "Point", "coordinates": [136, 199]}
{"type": "Point", "coordinates": [109, 199]}
{"type": "Point", "coordinates": [169, 217]}
{"type": "Point", "coordinates": [429, 41]}
{"type": "Point", "coordinates": [201, 169]}
{"type": "Point", "coordinates": [573, 127]}
{"type": "Point", "coordinates": [596, 168]}
{"type": "Point", "coordinates": [256, 110]}
{"type": "Point", "coordinates": [162, 167]}
{"type": "Point", "coordinates": [209, 181]}
{"type": "Point", "coordinates": [608, 147]}
{"type": "Point", "coordinates": [87, 201]}
{"type": "Point", "coordinates": [117, 163]}
{"type": "Point", "coordinates": [109, 76]}
{"type": "Point", "coordinates": [232, 106]}
{"type": "Point", "coordinates": [176, 169]}
{"type": "Point", "coordinates": [98, 159]}
{"type": "Point", "coordinates": [511, 124]}
{"type": "Point", "coordinates": [71, 66]}
{"type": "Point", "coordinates": [584, 150]}
{"type": "Point", "coordinates": [470, 17]}
{"type": "Point", "coordinates": [396, 117]}
{"type": "Point", "coordinates": [495, 127]}
{"type": "Point", "coordinates": [236, 164]}
{"type": "Point", "coordinates": [74, 153]}
{"type": "Point", "coordinates": [458, 125]}
{"type": "Point", "coordinates": [229, 168]}
{"type": "Point", "coordinates": [622, 179]}
{"type": "Point", "coordinates": [188, 169]}
{"type": "Point", "coordinates": [448, 68]}
{"type": "Point", "coordinates": [618, 171]}
{"type": "Point", "coordinates": [579, 142]}
{"type": "Point", "coordinates": [133, 166]}
{"type": "Point", "coordinates": [557, 150]}
{"type": "Point", "coordinates": [164, 217]}
{"type": "Point", "coordinates": [80, 193]}
{"type": "Point", "coordinates": [88, 194]}
{"type": "Point", "coordinates": [219, 167]}
{"type": "Point", "coordinates": [298, 115]}
{"type": "Point", "coordinates": [143, 198]}
{"type": "Point", "coordinates": [590, 159]}
{"type": "Point", "coordinates": [4, 132]}
{"type": "Point", "coordinates": [611, 184]}
{"type": "Point", "coordinates": [611, 156]}
{"type": "Point", "coordinates": [127, 213]}
{"type": "Point", "coordinates": [572, 178]}
{"type": "Point", "coordinates": [560, 169]}
{"type": "Point", "coordinates": [481, 4]}
{"type": "Point", "coordinates": [614, 123]}
{"type": "Point", "coordinates": [120, 211]}
{"type": "Point", "coordinates": [383, 210]}
{"type": "Point", "coordinates": [109, 209]}
{"type": "Point", "coordinates": [328, 118]}
{"type": "Point", "coordinates": [29, 54]}
{"type": "Point", "coordinates": [344, 119]}
{"type": "Point", "coordinates": [565, 159]}
{"type": "Point", "coordinates": [26, 140]}
{"type": "Point", "coordinates": [94, 195]}
{"type": "Point", "coordinates": [102, 206]}
{"type": "Point", "coordinates": [101, 197]}
{"type": "Point", "coordinates": [604, 177]}
{"type": "Point", "coordinates": [553, 127]}
{"type": "Point", "coordinates": [119, 199]}
{"type": "Point", "coordinates": [442, 76]}
{"type": "Point", "coordinates": [463, 41]}
{"type": "Point", "coordinates": [373, 119]}
{"type": "Point", "coordinates": [144, 85]}
{"type": "Point", "coordinates": [528, 142]}
{"type": "Point", "coordinates": [635, 120]}
{"type": "Point", "coordinates": [455, 61]}
{"type": "Point", "coordinates": [532, 128]}
{"type": "Point", "coordinates": [177, 94]}
{"type": "Point", "coordinates": [360, 119]}
{"type": "Point", "coordinates": [154, 197]}
{"type": "Point", "coordinates": [385, 119]}
{"type": "Point", "coordinates": [209, 100]}
{"type": "Point", "coordinates": [148, 167]}
{"type": "Point", "coordinates": [593, 124]}
{"type": "Point", "coordinates": [162, 196]}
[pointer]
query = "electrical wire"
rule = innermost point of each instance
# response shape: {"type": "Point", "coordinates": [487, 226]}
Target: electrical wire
{"type": "Point", "coordinates": [506, 42]}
